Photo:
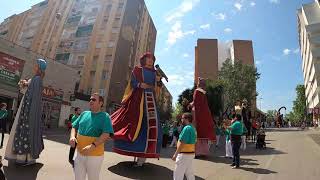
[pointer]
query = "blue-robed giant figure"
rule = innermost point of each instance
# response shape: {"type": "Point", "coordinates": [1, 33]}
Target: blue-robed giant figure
{"type": "Point", "coordinates": [25, 141]}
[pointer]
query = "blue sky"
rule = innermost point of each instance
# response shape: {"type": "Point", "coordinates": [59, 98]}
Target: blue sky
{"type": "Point", "coordinates": [270, 24]}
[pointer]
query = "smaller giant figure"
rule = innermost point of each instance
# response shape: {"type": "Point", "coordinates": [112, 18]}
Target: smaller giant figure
{"type": "Point", "coordinates": [203, 120]}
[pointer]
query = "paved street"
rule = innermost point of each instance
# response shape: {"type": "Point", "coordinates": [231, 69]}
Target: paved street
{"type": "Point", "coordinates": [290, 154]}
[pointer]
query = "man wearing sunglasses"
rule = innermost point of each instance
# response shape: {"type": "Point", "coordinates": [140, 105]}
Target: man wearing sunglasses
{"type": "Point", "coordinates": [90, 131]}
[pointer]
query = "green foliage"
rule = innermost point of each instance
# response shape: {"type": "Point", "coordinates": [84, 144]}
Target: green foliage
{"type": "Point", "coordinates": [299, 105]}
{"type": "Point", "coordinates": [177, 111]}
{"type": "Point", "coordinates": [271, 115]}
{"type": "Point", "coordinates": [215, 97]}
{"type": "Point", "coordinates": [239, 81]}
{"type": "Point", "coordinates": [186, 94]}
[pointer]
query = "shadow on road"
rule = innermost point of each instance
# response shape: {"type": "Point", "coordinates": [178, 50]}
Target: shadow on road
{"type": "Point", "coordinates": [284, 130]}
{"type": "Point", "coordinates": [258, 170]}
{"type": "Point", "coordinates": [223, 160]}
{"type": "Point", "coordinates": [315, 138]}
{"type": "Point", "coordinates": [25, 173]}
{"type": "Point", "coordinates": [147, 172]}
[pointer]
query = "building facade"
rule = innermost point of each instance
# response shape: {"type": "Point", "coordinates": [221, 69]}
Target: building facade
{"type": "Point", "coordinates": [211, 54]}
{"type": "Point", "coordinates": [101, 39]}
{"type": "Point", "coordinates": [309, 41]}
{"type": "Point", "coordinates": [16, 63]}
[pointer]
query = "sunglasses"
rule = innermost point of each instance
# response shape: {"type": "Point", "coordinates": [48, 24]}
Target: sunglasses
{"type": "Point", "coordinates": [93, 99]}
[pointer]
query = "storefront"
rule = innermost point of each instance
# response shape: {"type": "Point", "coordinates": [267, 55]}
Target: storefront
{"type": "Point", "coordinates": [10, 72]}
{"type": "Point", "coordinates": [51, 107]}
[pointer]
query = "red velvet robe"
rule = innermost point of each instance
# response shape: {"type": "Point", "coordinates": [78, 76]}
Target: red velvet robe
{"type": "Point", "coordinates": [203, 119]}
{"type": "Point", "coordinates": [125, 120]}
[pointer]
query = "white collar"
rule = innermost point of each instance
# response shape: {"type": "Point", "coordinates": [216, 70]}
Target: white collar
{"type": "Point", "coordinates": [201, 90]}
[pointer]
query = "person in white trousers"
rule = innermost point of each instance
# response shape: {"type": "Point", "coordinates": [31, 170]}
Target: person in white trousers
{"type": "Point", "coordinates": [90, 131]}
{"type": "Point", "coordinates": [185, 152]}
{"type": "Point", "coordinates": [229, 153]}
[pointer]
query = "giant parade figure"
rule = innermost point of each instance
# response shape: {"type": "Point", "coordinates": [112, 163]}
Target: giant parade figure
{"type": "Point", "coordinates": [203, 120]}
{"type": "Point", "coordinates": [137, 129]}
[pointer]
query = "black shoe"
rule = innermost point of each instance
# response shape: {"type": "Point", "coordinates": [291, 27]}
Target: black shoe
{"type": "Point", "coordinates": [72, 162]}
{"type": "Point", "coordinates": [233, 164]}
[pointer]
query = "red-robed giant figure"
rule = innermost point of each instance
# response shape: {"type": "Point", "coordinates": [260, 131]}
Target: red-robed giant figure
{"type": "Point", "coordinates": [203, 120]}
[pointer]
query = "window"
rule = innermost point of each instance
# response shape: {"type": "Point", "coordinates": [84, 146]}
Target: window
{"type": "Point", "coordinates": [105, 19]}
{"type": "Point", "coordinates": [3, 33]}
{"type": "Point", "coordinates": [95, 9]}
{"type": "Point", "coordinates": [116, 22]}
{"type": "Point", "coordinates": [107, 61]}
{"type": "Point", "coordinates": [115, 30]}
{"type": "Point", "coordinates": [101, 92]}
{"type": "Point", "coordinates": [73, 20]}
{"type": "Point", "coordinates": [104, 75]}
{"type": "Point", "coordinates": [108, 9]}
{"type": "Point", "coordinates": [94, 62]}
{"type": "Point", "coordinates": [99, 45]}
{"type": "Point", "coordinates": [63, 57]}
{"type": "Point", "coordinates": [80, 60]}
{"type": "Point", "coordinates": [84, 31]}
{"type": "Point", "coordinates": [111, 44]}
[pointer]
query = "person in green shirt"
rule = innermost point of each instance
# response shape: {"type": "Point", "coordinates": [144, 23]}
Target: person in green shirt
{"type": "Point", "coordinates": [218, 134]}
{"type": "Point", "coordinates": [229, 154]}
{"type": "Point", "coordinates": [165, 131]}
{"type": "Point", "coordinates": [185, 152]}
{"type": "Point", "coordinates": [236, 129]}
{"type": "Point", "coordinates": [77, 112]}
{"type": "Point", "coordinates": [3, 120]}
{"type": "Point", "coordinates": [90, 130]}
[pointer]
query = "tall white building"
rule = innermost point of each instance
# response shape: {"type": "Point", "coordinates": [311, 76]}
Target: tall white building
{"type": "Point", "coordinates": [309, 40]}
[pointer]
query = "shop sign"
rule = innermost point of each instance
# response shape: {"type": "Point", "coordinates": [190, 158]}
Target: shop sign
{"type": "Point", "coordinates": [51, 93]}
{"type": "Point", "coordinates": [10, 69]}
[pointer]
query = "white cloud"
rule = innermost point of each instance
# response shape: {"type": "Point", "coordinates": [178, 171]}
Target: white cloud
{"type": "Point", "coordinates": [185, 55]}
{"type": "Point", "coordinates": [220, 16]}
{"type": "Point", "coordinates": [181, 10]}
{"type": "Point", "coordinates": [274, 1]}
{"type": "Point", "coordinates": [227, 30]}
{"type": "Point", "coordinates": [258, 62]}
{"type": "Point", "coordinates": [205, 26]}
{"type": "Point", "coordinates": [296, 51]}
{"type": "Point", "coordinates": [177, 33]}
{"type": "Point", "coordinates": [238, 6]}
{"type": "Point", "coordinates": [286, 52]}
{"type": "Point", "coordinates": [252, 4]}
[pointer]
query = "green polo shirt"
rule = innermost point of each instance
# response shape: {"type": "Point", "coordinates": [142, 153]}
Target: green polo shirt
{"type": "Point", "coordinates": [236, 128]}
{"type": "Point", "coordinates": [3, 114]}
{"type": "Point", "coordinates": [93, 124]}
{"type": "Point", "coordinates": [188, 135]}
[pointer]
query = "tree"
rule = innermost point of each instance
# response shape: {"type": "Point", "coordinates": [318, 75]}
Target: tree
{"type": "Point", "coordinates": [214, 94]}
{"type": "Point", "coordinates": [186, 94]}
{"type": "Point", "coordinates": [299, 105]}
{"type": "Point", "coordinates": [215, 97]}
{"type": "Point", "coordinates": [176, 112]}
{"type": "Point", "coordinates": [239, 81]}
{"type": "Point", "coordinates": [271, 115]}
